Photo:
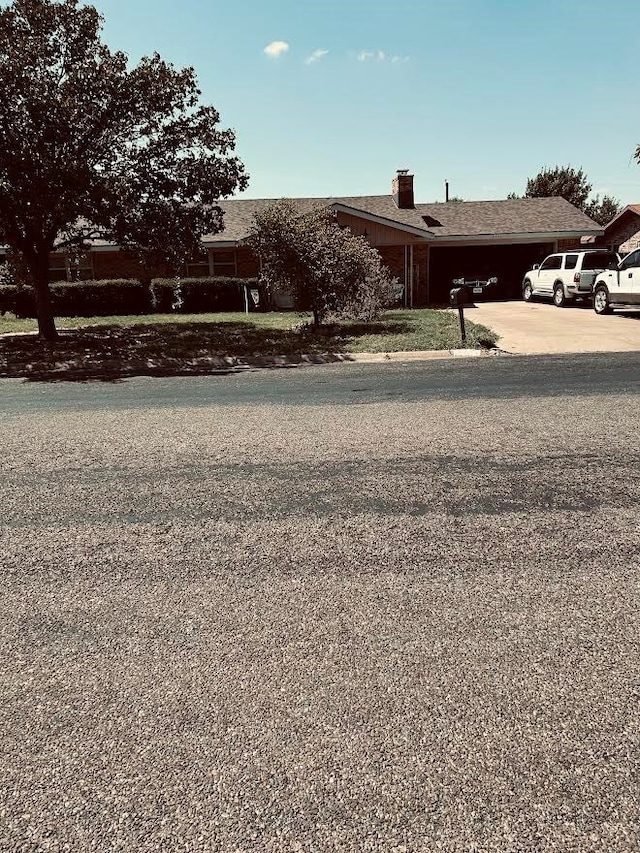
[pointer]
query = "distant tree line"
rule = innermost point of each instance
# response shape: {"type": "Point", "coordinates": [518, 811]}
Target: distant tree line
{"type": "Point", "coordinates": [573, 185]}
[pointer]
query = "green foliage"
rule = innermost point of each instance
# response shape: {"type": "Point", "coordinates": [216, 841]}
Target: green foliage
{"type": "Point", "coordinates": [602, 210]}
{"type": "Point", "coordinates": [197, 295]}
{"type": "Point", "coordinates": [82, 298]}
{"type": "Point", "coordinates": [91, 145]}
{"type": "Point", "coordinates": [571, 184]}
{"type": "Point", "coordinates": [121, 297]}
{"type": "Point", "coordinates": [326, 269]}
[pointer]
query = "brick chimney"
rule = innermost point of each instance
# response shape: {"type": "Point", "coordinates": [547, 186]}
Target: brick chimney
{"type": "Point", "coordinates": [402, 190]}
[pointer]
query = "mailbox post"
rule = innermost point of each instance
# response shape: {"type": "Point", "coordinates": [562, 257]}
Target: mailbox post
{"type": "Point", "coordinates": [457, 299]}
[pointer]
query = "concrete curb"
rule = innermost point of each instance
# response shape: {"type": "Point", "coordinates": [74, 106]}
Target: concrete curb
{"type": "Point", "coordinates": [348, 358]}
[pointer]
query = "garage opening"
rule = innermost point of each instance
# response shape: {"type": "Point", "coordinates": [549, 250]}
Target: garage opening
{"type": "Point", "coordinates": [507, 263]}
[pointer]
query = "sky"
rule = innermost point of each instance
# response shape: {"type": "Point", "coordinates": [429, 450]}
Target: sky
{"type": "Point", "coordinates": [331, 97]}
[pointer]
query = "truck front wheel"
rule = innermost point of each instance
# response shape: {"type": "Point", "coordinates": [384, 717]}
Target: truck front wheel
{"type": "Point", "coordinates": [601, 304]}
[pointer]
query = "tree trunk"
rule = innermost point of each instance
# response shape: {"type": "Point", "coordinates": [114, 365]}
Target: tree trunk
{"type": "Point", "coordinates": [316, 317]}
{"type": "Point", "coordinates": [44, 306]}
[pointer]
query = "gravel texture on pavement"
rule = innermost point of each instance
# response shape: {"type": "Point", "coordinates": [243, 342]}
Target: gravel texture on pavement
{"type": "Point", "coordinates": [388, 626]}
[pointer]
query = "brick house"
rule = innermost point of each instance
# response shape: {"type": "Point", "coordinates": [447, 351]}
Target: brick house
{"type": "Point", "coordinates": [424, 245]}
{"type": "Point", "coordinates": [623, 232]}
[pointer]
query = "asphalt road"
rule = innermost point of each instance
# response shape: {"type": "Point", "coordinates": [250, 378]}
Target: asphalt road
{"type": "Point", "coordinates": [341, 608]}
{"type": "Point", "coordinates": [482, 378]}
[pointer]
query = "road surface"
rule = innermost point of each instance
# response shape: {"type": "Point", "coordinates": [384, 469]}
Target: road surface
{"type": "Point", "coordinates": [341, 608]}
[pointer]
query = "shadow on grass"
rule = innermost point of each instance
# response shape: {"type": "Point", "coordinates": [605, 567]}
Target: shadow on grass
{"type": "Point", "coordinates": [111, 353]}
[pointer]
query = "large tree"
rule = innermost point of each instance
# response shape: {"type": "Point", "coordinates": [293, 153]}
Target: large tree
{"type": "Point", "coordinates": [571, 184]}
{"type": "Point", "coordinates": [326, 268]}
{"type": "Point", "coordinates": [90, 145]}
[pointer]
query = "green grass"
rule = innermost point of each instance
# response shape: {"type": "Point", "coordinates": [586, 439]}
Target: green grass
{"type": "Point", "coordinates": [174, 344]}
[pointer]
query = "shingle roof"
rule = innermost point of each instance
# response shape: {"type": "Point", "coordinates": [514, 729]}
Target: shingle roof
{"type": "Point", "coordinates": [440, 220]}
{"type": "Point", "coordinates": [239, 213]}
{"type": "Point", "coordinates": [504, 218]}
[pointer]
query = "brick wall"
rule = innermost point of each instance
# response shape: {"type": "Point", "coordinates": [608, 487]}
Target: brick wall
{"type": "Point", "coordinates": [248, 266]}
{"type": "Point", "coordinates": [567, 245]}
{"type": "Point", "coordinates": [393, 257]}
{"type": "Point", "coordinates": [115, 265]}
{"type": "Point", "coordinates": [625, 234]}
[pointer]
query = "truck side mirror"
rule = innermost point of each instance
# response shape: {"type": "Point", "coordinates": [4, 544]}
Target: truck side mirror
{"type": "Point", "coordinates": [536, 266]}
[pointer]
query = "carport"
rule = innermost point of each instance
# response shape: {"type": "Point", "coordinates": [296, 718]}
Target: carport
{"type": "Point", "coordinates": [508, 262]}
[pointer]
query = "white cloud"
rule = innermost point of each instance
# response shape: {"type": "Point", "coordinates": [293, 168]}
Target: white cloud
{"type": "Point", "coordinates": [380, 56]}
{"type": "Point", "coordinates": [276, 49]}
{"type": "Point", "coordinates": [316, 56]}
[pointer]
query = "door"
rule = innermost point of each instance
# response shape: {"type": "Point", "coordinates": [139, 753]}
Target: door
{"type": "Point", "coordinates": [629, 275]}
{"type": "Point", "coordinates": [547, 273]}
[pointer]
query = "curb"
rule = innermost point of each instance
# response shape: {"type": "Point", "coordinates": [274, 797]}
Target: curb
{"type": "Point", "coordinates": [349, 358]}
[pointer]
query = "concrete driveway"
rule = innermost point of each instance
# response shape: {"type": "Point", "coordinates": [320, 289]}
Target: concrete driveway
{"type": "Point", "coordinates": [539, 327]}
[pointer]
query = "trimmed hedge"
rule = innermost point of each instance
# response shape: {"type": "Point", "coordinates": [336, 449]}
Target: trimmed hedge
{"type": "Point", "coordinates": [199, 295]}
{"type": "Point", "coordinates": [114, 297]}
{"type": "Point", "coordinates": [100, 298]}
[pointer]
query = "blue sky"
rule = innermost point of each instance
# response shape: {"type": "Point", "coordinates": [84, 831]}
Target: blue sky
{"type": "Point", "coordinates": [482, 93]}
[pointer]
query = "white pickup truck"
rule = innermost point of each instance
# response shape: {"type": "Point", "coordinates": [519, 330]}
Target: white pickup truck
{"type": "Point", "coordinates": [619, 285]}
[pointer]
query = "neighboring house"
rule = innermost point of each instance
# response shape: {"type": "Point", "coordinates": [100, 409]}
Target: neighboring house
{"type": "Point", "coordinates": [425, 246]}
{"type": "Point", "coordinates": [623, 232]}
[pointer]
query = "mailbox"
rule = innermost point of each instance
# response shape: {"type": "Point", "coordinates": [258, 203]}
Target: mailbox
{"type": "Point", "coordinates": [458, 297]}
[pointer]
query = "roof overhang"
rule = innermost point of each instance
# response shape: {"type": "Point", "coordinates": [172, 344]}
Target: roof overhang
{"type": "Point", "coordinates": [507, 239]}
{"type": "Point", "coordinates": [221, 244]}
{"type": "Point", "coordinates": [382, 220]}
{"type": "Point", "coordinates": [105, 247]}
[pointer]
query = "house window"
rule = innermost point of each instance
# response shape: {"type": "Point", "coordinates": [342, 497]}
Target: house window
{"type": "Point", "coordinates": [63, 268]}
{"type": "Point", "coordinates": [81, 267]}
{"type": "Point", "coordinates": [198, 269]}
{"type": "Point", "coordinates": [58, 267]}
{"type": "Point", "coordinates": [224, 262]}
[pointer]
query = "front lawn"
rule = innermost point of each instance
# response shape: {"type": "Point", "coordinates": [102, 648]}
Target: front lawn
{"type": "Point", "coordinates": [174, 344]}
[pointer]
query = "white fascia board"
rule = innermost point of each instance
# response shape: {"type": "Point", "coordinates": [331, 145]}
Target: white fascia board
{"type": "Point", "coordinates": [510, 239]}
{"type": "Point", "coordinates": [221, 244]}
{"type": "Point", "coordinates": [382, 220]}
